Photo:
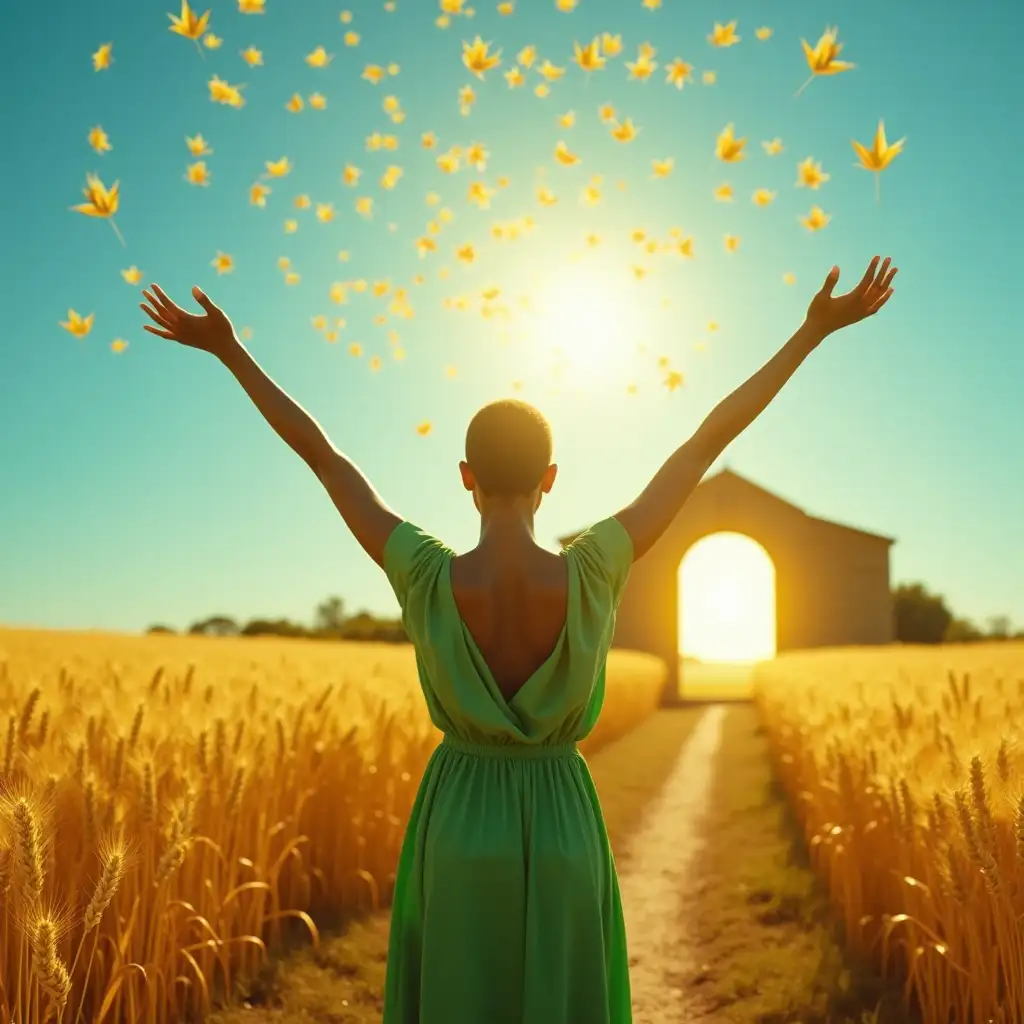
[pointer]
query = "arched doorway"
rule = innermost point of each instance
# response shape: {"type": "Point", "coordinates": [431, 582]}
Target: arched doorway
{"type": "Point", "coordinates": [727, 615]}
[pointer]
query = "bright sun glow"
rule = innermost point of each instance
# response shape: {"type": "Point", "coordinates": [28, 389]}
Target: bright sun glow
{"type": "Point", "coordinates": [727, 600]}
{"type": "Point", "coordinates": [588, 324]}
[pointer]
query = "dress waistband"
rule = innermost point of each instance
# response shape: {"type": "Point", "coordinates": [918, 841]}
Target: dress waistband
{"type": "Point", "coordinates": [510, 751]}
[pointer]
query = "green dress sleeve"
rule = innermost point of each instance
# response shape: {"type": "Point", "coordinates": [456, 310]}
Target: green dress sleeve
{"type": "Point", "coordinates": [605, 555]}
{"type": "Point", "coordinates": [411, 558]}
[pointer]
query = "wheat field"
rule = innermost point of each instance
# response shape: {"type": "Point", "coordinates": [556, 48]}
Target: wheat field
{"type": "Point", "coordinates": [906, 770]}
{"type": "Point", "coordinates": [174, 807]}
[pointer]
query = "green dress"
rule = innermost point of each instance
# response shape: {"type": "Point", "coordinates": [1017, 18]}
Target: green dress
{"type": "Point", "coordinates": [506, 906]}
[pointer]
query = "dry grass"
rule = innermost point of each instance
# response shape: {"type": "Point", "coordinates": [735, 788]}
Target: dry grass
{"type": "Point", "coordinates": [174, 806]}
{"type": "Point", "coordinates": [906, 773]}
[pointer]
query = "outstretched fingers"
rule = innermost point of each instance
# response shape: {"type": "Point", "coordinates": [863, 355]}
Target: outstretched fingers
{"type": "Point", "coordinates": [158, 313]}
{"type": "Point", "coordinates": [887, 280]}
{"type": "Point", "coordinates": [160, 332]}
{"type": "Point", "coordinates": [879, 302]}
{"type": "Point", "coordinates": [166, 303]}
{"type": "Point", "coordinates": [869, 276]}
{"type": "Point", "coordinates": [153, 312]}
{"type": "Point", "coordinates": [159, 300]}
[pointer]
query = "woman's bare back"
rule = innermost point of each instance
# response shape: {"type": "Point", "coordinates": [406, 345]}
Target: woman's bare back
{"type": "Point", "coordinates": [514, 608]}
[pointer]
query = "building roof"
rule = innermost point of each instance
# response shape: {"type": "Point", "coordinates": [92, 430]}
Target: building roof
{"type": "Point", "coordinates": [727, 473]}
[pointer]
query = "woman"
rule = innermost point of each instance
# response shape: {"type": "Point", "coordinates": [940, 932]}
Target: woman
{"type": "Point", "coordinates": [506, 906]}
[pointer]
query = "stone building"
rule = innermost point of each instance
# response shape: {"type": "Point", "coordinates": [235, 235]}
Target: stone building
{"type": "Point", "coordinates": [831, 581]}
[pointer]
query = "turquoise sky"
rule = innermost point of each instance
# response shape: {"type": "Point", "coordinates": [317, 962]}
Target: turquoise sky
{"type": "Point", "coordinates": [143, 487]}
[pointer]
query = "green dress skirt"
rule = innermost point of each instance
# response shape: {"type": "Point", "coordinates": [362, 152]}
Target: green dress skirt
{"type": "Point", "coordinates": [506, 905]}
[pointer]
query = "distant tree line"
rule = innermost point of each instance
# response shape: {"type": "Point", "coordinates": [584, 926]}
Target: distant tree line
{"type": "Point", "coordinates": [921, 617]}
{"type": "Point", "coordinates": [924, 618]}
{"type": "Point", "coordinates": [329, 623]}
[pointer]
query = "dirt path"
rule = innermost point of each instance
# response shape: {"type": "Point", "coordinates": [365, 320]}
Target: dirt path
{"type": "Point", "coordinates": [654, 878]}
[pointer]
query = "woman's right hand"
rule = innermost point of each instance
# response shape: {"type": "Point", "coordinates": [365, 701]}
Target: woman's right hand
{"type": "Point", "coordinates": [211, 333]}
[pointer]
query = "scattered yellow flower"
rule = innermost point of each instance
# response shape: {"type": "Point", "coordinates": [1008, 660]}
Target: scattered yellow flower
{"type": "Point", "coordinates": [728, 148]}
{"type": "Point", "coordinates": [762, 197]}
{"type": "Point", "coordinates": [188, 24]}
{"type": "Point", "coordinates": [724, 35]}
{"type": "Point", "coordinates": [132, 275]}
{"type": "Point", "coordinates": [816, 219]}
{"type": "Point", "coordinates": [810, 174]}
{"type": "Point", "coordinates": [100, 201]}
{"type": "Point", "coordinates": [118, 345]}
{"type": "Point", "coordinates": [550, 72]}
{"type": "Point", "coordinates": [198, 146]}
{"type": "Point", "coordinates": [477, 59]}
{"type": "Point", "coordinates": [319, 58]}
{"type": "Point", "coordinates": [222, 263]}
{"type": "Point", "coordinates": [624, 132]}
{"type": "Point", "coordinates": [278, 168]}
{"type": "Point", "coordinates": [879, 156]}
{"type": "Point", "coordinates": [642, 68]}
{"type": "Point", "coordinates": [77, 324]}
{"type": "Point", "coordinates": [222, 92]}
{"type": "Point", "coordinates": [679, 72]}
{"type": "Point", "coordinates": [102, 58]}
{"type": "Point", "coordinates": [197, 173]}
{"type": "Point", "coordinates": [772, 147]}
{"type": "Point", "coordinates": [564, 156]}
{"type": "Point", "coordinates": [212, 42]}
{"type": "Point", "coordinates": [822, 58]}
{"type": "Point", "coordinates": [258, 193]}
{"type": "Point", "coordinates": [99, 140]}
{"type": "Point", "coordinates": [589, 57]}
{"type": "Point", "coordinates": [611, 46]}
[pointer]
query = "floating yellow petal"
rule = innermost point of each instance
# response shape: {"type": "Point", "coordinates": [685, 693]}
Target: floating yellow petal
{"type": "Point", "coordinates": [879, 156]}
{"type": "Point", "coordinates": [99, 140]}
{"type": "Point", "coordinates": [102, 58]}
{"type": "Point", "coordinates": [188, 23]}
{"type": "Point", "coordinates": [728, 148]}
{"type": "Point", "coordinates": [77, 324]}
{"type": "Point", "coordinates": [816, 219]}
{"type": "Point", "coordinates": [810, 174]}
{"type": "Point", "coordinates": [724, 35]}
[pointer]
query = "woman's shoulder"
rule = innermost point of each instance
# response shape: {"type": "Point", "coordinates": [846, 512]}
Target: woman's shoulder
{"type": "Point", "coordinates": [410, 553]}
